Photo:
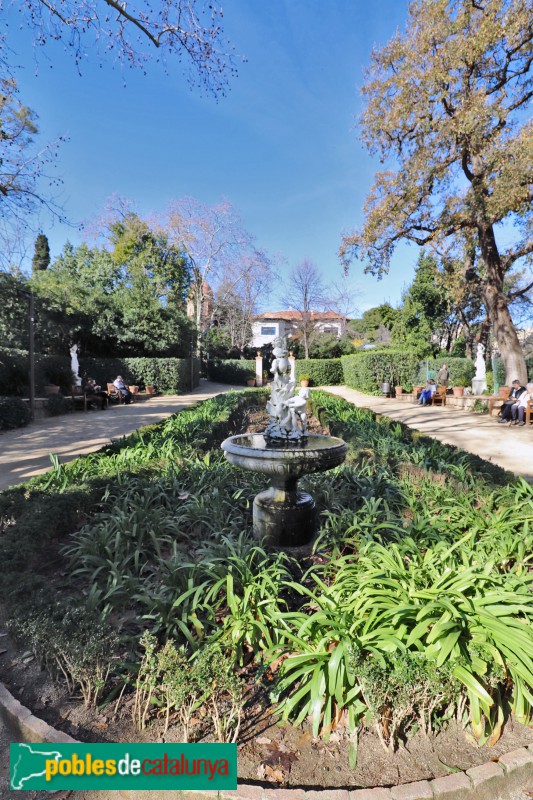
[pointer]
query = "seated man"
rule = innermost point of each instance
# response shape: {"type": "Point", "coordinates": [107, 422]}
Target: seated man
{"type": "Point", "coordinates": [426, 395]}
{"type": "Point", "coordinates": [94, 393]}
{"type": "Point", "coordinates": [518, 409]}
{"type": "Point", "coordinates": [516, 392]}
{"type": "Point", "coordinates": [122, 389]}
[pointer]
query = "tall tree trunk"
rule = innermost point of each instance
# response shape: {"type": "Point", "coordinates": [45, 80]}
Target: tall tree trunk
{"type": "Point", "coordinates": [498, 310]}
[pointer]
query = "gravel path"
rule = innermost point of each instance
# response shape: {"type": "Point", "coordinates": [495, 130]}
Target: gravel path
{"type": "Point", "coordinates": [25, 452]}
{"type": "Point", "coordinates": [511, 447]}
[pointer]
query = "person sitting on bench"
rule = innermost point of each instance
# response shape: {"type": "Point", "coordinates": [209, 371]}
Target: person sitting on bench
{"type": "Point", "coordinates": [122, 389]}
{"type": "Point", "coordinates": [518, 409]}
{"type": "Point", "coordinates": [426, 395]}
{"type": "Point", "coordinates": [94, 393]}
{"type": "Point", "coordinates": [514, 394]}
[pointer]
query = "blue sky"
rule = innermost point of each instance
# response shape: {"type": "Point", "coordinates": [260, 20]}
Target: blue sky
{"type": "Point", "coordinates": [282, 146]}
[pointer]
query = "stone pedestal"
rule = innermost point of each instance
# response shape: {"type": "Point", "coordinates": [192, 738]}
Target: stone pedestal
{"type": "Point", "coordinates": [478, 385]}
{"type": "Point", "coordinates": [283, 515]}
{"type": "Point", "coordinates": [259, 370]}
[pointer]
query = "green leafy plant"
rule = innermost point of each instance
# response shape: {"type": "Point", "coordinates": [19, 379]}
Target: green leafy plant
{"type": "Point", "coordinates": [167, 679]}
{"type": "Point", "coordinates": [14, 413]}
{"type": "Point", "coordinates": [320, 371]}
{"type": "Point", "coordinates": [71, 643]}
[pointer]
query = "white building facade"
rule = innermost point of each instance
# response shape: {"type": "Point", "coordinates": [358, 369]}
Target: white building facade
{"type": "Point", "coordinates": [268, 326]}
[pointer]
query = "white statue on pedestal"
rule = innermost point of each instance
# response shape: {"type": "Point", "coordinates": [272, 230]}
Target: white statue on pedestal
{"type": "Point", "coordinates": [288, 415]}
{"type": "Point", "coordinates": [481, 370]}
{"type": "Point", "coordinates": [479, 382]}
{"type": "Point", "coordinates": [75, 364]}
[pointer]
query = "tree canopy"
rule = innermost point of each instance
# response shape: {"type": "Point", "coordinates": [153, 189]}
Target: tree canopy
{"type": "Point", "coordinates": [189, 31]}
{"type": "Point", "coordinates": [126, 298]}
{"type": "Point", "coordinates": [445, 103]}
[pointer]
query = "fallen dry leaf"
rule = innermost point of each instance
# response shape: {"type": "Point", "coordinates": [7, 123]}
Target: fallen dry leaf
{"type": "Point", "coordinates": [266, 772]}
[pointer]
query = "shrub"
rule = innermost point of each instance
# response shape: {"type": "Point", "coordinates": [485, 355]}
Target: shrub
{"type": "Point", "coordinates": [321, 371]}
{"type": "Point", "coordinates": [235, 371]}
{"type": "Point", "coordinates": [461, 370]}
{"type": "Point", "coordinates": [166, 374]}
{"type": "Point", "coordinates": [54, 370]}
{"type": "Point", "coordinates": [69, 642]}
{"type": "Point", "coordinates": [14, 372]}
{"type": "Point", "coordinates": [167, 678]}
{"type": "Point", "coordinates": [367, 370]}
{"type": "Point", "coordinates": [58, 404]}
{"type": "Point", "coordinates": [14, 413]}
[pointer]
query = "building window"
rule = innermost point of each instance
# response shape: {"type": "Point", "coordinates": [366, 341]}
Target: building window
{"type": "Point", "coordinates": [331, 330]}
{"type": "Point", "coordinates": [266, 331]}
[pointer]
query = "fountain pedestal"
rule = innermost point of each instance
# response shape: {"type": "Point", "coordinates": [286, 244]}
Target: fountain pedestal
{"type": "Point", "coordinates": [283, 515]}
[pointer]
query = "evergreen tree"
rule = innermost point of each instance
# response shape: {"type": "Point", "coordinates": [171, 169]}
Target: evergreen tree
{"type": "Point", "coordinates": [41, 256]}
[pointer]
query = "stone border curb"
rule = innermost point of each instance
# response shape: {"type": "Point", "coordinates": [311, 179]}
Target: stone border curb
{"type": "Point", "coordinates": [18, 718]}
{"type": "Point", "coordinates": [508, 773]}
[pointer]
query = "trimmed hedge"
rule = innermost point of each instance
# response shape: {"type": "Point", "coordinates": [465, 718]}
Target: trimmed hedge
{"type": "Point", "coordinates": [368, 369]}
{"type": "Point", "coordinates": [14, 413]}
{"type": "Point", "coordinates": [14, 372]}
{"type": "Point", "coordinates": [166, 374]}
{"type": "Point", "coordinates": [230, 370]}
{"type": "Point", "coordinates": [321, 371]}
{"type": "Point", "coordinates": [461, 370]}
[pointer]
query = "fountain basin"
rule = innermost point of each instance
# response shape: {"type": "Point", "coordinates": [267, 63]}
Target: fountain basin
{"type": "Point", "coordinates": [283, 515]}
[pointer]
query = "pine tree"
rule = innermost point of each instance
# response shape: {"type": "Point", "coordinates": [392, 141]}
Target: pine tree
{"type": "Point", "coordinates": [41, 256]}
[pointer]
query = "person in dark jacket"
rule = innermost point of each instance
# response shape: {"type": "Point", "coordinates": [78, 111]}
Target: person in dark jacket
{"type": "Point", "coordinates": [506, 409]}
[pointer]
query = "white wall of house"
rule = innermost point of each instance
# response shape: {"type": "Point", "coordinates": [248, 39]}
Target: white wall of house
{"type": "Point", "coordinates": [330, 326]}
{"type": "Point", "coordinates": [265, 332]}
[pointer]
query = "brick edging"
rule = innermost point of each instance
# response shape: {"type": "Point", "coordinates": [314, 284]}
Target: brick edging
{"type": "Point", "coordinates": [510, 772]}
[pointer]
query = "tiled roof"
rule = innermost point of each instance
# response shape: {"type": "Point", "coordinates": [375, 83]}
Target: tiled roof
{"type": "Point", "coordinates": [296, 315]}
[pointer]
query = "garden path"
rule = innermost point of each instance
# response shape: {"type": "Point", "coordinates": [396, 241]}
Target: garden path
{"type": "Point", "coordinates": [25, 452]}
{"type": "Point", "coordinates": [511, 447]}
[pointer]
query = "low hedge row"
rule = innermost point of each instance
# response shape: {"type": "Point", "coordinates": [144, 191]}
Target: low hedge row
{"type": "Point", "coordinates": [230, 370]}
{"type": "Point", "coordinates": [166, 374]}
{"type": "Point", "coordinates": [14, 372]}
{"type": "Point", "coordinates": [461, 370]}
{"type": "Point", "coordinates": [14, 413]}
{"type": "Point", "coordinates": [321, 371]}
{"type": "Point", "coordinates": [368, 369]}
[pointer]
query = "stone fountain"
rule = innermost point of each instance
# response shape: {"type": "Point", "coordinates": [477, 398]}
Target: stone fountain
{"type": "Point", "coordinates": [284, 452]}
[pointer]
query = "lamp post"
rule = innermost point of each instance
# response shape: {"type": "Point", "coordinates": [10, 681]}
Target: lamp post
{"type": "Point", "coordinates": [31, 320]}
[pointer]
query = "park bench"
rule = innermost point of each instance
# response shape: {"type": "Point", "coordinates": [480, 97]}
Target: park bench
{"type": "Point", "coordinates": [115, 395]}
{"type": "Point", "coordinates": [439, 398]}
{"type": "Point", "coordinates": [79, 398]}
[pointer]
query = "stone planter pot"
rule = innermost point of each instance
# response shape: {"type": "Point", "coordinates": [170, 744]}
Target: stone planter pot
{"type": "Point", "coordinates": [150, 389]}
{"type": "Point", "coordinates": [250, 382]}
{"type": "Point", "coordinates": [398, 390]}
{"type": "Point", "coordinates": [458, 391]}
{"type": "Point", "coordinates": [304, 383]}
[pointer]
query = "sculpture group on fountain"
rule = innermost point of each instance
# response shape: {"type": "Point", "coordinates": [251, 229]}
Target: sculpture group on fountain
{"type": "Point", "coordinates": [288, 411]}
